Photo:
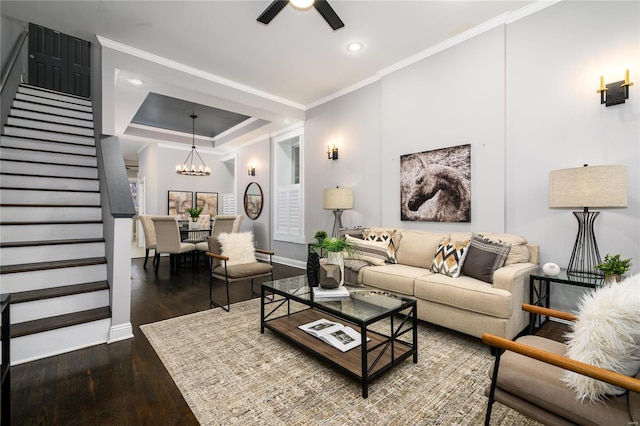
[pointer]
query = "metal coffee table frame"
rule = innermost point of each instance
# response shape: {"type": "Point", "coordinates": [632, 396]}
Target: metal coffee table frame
{"type": "Point", "coordinates": [378, 353]}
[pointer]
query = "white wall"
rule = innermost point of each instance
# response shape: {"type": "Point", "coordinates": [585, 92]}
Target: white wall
{"type": "Point", "coordinates": [523, 95]}
{"type": "Point", "coordinates": [554, 120]}
{"type": "Point", "coordinates": [157, 165]}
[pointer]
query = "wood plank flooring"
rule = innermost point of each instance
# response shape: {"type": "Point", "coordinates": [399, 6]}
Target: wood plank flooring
{"type": "Point", "coordinates": [123, 383]}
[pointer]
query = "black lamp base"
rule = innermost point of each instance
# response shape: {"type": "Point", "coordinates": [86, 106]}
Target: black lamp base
{"type": "Point", "coordinates": [585, 255]}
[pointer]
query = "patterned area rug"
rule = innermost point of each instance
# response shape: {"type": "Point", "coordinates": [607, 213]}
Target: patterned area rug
{"type": "Point", "coordinates": [229, 373]}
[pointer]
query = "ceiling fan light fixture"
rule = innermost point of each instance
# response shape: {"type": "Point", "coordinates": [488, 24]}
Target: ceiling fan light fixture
{"type": "Point", "coordinates": [301, 4]}
{"type": "Point", "coordinates": [354, 46]}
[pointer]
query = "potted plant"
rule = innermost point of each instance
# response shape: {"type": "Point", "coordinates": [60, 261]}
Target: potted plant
{"type": "Point", "coordinates": [334, 249]}
{"type": "Point", "coordinates": [195, 214]}
{"type": "Point", "coordinates": [613, 267]}
{"type": "Point", "coordinates": [320, 235]}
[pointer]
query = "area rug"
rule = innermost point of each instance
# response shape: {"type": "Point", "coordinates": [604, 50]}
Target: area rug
{"type": "Point", "coordinates": [229, 373]}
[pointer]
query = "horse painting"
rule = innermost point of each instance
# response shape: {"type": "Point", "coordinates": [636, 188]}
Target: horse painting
{"type": "Point", "coordinates": [435, 186]}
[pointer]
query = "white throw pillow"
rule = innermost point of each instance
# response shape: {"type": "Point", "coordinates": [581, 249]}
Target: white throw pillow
{"type": "Point", "coordinates": [607, 335]}
{"type": "Point", "coordinates": [238, 247]}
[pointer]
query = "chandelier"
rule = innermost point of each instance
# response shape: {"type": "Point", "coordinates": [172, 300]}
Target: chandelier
{"type": "Point", "coordinates": [188, 167]}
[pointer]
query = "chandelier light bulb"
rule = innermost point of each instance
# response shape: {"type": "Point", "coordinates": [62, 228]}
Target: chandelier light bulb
{"type": "Point", "coordinates": [301, 4]}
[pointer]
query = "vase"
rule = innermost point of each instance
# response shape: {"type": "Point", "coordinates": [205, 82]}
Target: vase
{"type": "Point", "coordinates": [193, 224]}
{"type": "Point", "coordinates": [610, 279]}
{"type": "Point", "coordinates": [337, 258]}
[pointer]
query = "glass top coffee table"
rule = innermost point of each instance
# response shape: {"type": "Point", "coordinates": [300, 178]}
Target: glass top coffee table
{"type": "Point", "coordinates": [386, 322]}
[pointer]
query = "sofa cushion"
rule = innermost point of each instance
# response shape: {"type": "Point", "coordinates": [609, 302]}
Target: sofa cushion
{"type": "Point", "coordinates": [417, 248]}
{"type": "Point", "coordinates": [466, 293]}
{"type": "Point", "coordinates": [389, 236]}
{"type": "Point", "coordinates": [519, 252]}
{"type": "Point", "coordinates": [541, 384]}
{"type": "Point", "coordinates": [238, 247]}
{"type": "Point", "coordinates": [370, 251]}
{"type": "Point", "coordinates": [450, 257]}
{"type": "Point", "coordinates": [484, 257]}
{"type": "Point", "coordinates": [607, 335]}
{"type": "Point", "coordinates": [396, 278]}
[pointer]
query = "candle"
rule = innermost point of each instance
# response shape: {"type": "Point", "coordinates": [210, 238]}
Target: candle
{"type": "Point", "coordinates": [601, 82]}
{"type": "Point", "coordinates": [626, 76]}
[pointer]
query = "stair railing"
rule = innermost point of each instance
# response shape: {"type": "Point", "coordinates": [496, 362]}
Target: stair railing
{"type": "Point", "coordinates": [11, 77]}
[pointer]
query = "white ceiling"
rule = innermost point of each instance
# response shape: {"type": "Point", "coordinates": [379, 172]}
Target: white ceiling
{"type": "Point", "coordinates": [297, 57]}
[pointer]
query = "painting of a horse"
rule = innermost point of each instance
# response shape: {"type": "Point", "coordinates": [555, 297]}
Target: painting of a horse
{"type": "Point", "coordinates": [435, 186]}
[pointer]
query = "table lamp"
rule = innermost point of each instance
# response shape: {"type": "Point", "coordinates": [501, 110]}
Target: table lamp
{"type": "Point", "coordinates": [587, 187]}
{"type": "Point", "coordinates": [337, 199]}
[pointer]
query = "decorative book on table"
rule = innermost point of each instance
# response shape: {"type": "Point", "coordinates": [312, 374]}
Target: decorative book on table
{"type": "Point", "coordinates": [337, 335]}
{"type": "Point", "coordinates": [330, 294]}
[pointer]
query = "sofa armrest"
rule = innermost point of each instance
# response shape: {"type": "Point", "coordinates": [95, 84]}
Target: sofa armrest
{"type": "Point", "coordinates": [515, 274]}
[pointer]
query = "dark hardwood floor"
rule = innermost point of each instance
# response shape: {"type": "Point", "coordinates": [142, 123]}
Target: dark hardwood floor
{"type": "Point", "coordinates": [122, 383]}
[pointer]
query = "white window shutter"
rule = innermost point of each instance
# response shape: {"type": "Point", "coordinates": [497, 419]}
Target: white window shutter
{"type": "Point", "coordinates": [288, 221]}
{"type": "Point", "coordinates": [229, 203]}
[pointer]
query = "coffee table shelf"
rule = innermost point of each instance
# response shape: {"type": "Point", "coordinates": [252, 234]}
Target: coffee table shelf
{"type": "Point", "coordinates": [380, 350]}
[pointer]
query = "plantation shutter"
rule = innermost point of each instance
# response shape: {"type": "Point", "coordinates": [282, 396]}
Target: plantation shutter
{"type": "Point", "coordinates": [288, 221]}
{"type": "Point", "coordinates": [229, 203]}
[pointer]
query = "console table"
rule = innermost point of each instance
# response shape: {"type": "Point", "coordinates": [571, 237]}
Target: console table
{"type": "Point", "coordinates": [540, 295]}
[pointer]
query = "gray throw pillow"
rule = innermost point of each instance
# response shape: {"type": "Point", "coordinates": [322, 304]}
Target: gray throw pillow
{"type": "Point", "coordinates": [484, 257]}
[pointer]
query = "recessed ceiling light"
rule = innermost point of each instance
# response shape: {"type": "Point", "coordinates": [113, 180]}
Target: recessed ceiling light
{"type": "Point", "coordinates": [355, 46]}
{"type": "Point", "coordinates": [135, 81]}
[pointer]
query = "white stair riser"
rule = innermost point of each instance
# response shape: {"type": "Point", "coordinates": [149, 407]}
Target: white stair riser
{"type": "Point", "coordinates": [17, 233]}
{"type": "Point", "coordinates": [48, 117]}
{"type": "Point", "coordinates": [49, 169]}
{"type": "Point", "coordinates": [57, 96]}
{"type": "Point", "coordinates": [47, 214]}
{"type": "Point", "coordinates": [49, 253]}
{"type": "Point", "coordinates": [44, 308]}
{"type": "Point", "coordinates": [43, 134]}
{"type": "Point", "coordinates": [51, 278]}
{"type": "Point", "coordinates": [23, 196]}
{"type": "Point", "coordinates": [47, 157]}
{"type": "Point", "coordinates": [14, 142]}
{"type": "Point", "coordinates": [54, 127]}
{"type": "Point", "coordinates": [52, 102]}
{"type": "Point", "coordinates": [55, 342]}
{"type": "Point", "coordinates": [52, 110]}
{"type": "Point", "coordinates": [34, 182]}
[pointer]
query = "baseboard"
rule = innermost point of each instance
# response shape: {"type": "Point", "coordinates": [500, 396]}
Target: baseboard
{"type": "Point", "coordinates": [290, 262]}
{"type": "Point", "coordinates": [120, 332]}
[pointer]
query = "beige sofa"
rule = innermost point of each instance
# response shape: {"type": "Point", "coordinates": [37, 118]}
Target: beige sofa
{"type": "Point", "coordinates": [465, 304]}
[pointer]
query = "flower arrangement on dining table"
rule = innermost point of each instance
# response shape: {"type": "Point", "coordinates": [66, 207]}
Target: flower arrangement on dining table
{"type": "Point", "coordinates": [195, 213]}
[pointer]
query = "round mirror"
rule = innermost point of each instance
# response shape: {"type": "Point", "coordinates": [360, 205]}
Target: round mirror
{"type": "Point", "coordinates": [253, 200]}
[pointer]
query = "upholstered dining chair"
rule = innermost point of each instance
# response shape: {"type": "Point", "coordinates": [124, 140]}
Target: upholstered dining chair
{"type": "Point", "coordinates": [149, 238]}
{"type": "Point", "coordinates": [232, 259]}
{"type": "Point", "coordinates": [168, 241]}
{"type": "Point", "coordinates": [527, 376]}
{"type": "Point", "coordinates": [226, 223]}
{"type": "Point", "coordinates": [204, 221]}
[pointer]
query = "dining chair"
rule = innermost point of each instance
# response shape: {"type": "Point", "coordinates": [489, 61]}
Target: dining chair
{"type": "Point", "coordinates": [168, 241]}
{"type": "Point", "coordinates": [204, 221]}
{"type": "Point", "coordinates": [149, 238]}
{"type": "Point", "coordinates": [226, 223]}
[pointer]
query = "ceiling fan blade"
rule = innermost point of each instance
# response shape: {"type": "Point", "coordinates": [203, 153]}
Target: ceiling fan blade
{"type": "Point", "coordinates": [329, 15]}
{"type": "Point", "coordinates": [272, 10]}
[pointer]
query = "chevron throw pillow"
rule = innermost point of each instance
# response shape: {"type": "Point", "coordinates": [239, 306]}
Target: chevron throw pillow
{"type": "Point", "coordinates": [449, 257]}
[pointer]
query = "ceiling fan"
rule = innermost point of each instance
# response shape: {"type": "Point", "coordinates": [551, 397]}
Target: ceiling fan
{"type": "Point", "coordinates": [322, 6]}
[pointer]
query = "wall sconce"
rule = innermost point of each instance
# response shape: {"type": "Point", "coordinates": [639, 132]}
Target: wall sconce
{"type": "Point", "coordinates": [332, 153]}
{"type": "Point", "coordinates": [614, 93]}
{"type": "Point", "coordinates": [251, 170]}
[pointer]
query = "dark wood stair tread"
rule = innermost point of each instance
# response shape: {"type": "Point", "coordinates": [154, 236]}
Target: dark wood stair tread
{"type": "Point", "coordinates": [50, 205]}
{"type": "Point", "coordinates": [53, 92]}
{"type": "Point", "coordinates": [51, 151]}
{"type": "Point", "coordinates": [60, 321]}
{"type": "Point", "coordinates": [51, 242]}
{"type": "Point", "coordinates": [49, 163]}
{"type": "Point", "coordinates": [59, 264]}
{"type": "Point", "coordinates": [46, 176]}
{"type": "Point", "coordinates": [39, 120]}
{"type": "Point", "coordinates": [31, 138]}
{"type": "Point", "coordinates": [53, 222]}
{"type": "Point", "coordinates": [19, 188]}
{"type": "Point", "coordinates": [66, 290]}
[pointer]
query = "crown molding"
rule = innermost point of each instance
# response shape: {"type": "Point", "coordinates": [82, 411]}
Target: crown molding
{"type": "Point", "coordinates": [120, 47]}
{"type": "Point", "coordinates": [345, 91]}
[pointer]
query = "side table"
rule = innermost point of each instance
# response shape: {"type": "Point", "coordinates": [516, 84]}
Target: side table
{"type": "Point", "coordinates": [540, 295]}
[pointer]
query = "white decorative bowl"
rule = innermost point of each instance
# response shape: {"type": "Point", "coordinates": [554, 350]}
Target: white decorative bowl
{"type": "Point", "coordinates": [551, 269]}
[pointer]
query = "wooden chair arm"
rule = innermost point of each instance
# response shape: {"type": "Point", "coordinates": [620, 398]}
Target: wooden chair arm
{"type": "Point", "coordinates": [265, 252]}
{"type": "Point", "coordinates": [217, 256]}
{"type": "Point", "coordinates": [629, 383]}
{"type": "Point", "coordinates": [548, 312]}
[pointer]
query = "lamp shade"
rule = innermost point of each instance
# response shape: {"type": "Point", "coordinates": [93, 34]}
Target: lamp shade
{"type": "Point", "coordinates": [337, 199]}
{"type": "Point", "coordinates": [588, 186]}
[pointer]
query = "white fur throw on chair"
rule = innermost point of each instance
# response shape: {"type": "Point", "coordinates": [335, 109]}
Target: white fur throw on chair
{"type": "Point", "coordinates": [606, 335]}
{"type": "Point", "coordinates": [238, 247]}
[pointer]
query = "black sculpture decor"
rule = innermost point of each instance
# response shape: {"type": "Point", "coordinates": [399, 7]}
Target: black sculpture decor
{"type": "Point", "coordinates": [313, 268]}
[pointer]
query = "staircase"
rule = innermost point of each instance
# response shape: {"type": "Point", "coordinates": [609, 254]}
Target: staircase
{"type": "Point", "coordinates": [52, 250]}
